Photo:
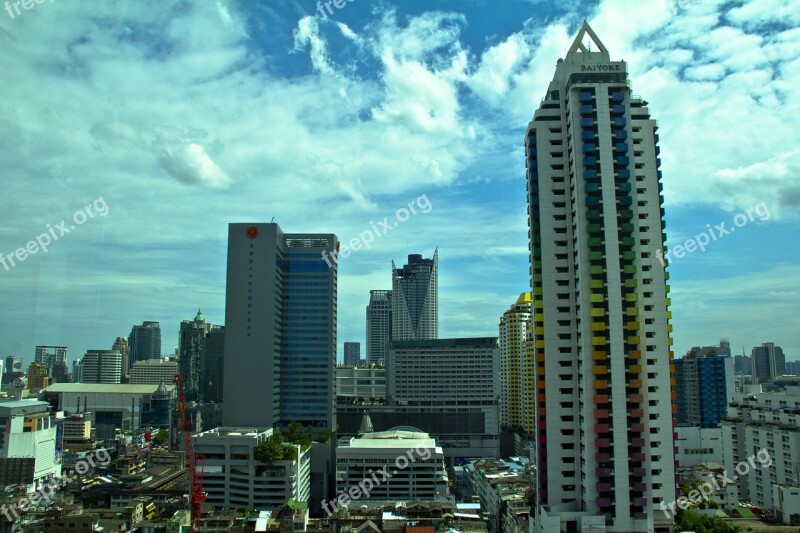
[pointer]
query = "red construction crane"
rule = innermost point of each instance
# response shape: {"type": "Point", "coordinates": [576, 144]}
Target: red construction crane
{"type": "Point", "coordinates": [196, 494]}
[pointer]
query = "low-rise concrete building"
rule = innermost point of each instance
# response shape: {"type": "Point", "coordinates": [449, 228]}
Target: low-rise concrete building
{"type": "Point", "coordinates": [696, 445]}
{"type": "Point", "coordinates": [235, 478]}
{"type": "Point", "coordinates": [390, 466]}
{"type": "Point", "coordinates": [29, 449]}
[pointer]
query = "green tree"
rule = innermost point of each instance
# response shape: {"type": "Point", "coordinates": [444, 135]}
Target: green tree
{"type": "Point", "coordinates": [161, 437]}
{"type": "Point", "coordinates": [271, 449]}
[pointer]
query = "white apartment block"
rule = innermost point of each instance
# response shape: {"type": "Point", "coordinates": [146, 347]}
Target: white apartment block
{"type": "Point", "coordinates": [153, 372]}
{"type": "Point", "coordinates": [760, 421]}
{"type": "Point", "coordinates": [697, 445]}
{"type": "Point", "coordinates": [601, 330]}
{"type": "Point", "coordinates": [28, 432]}
{"type": "Point", "coordinates": [234, 478]}
{"type": "Point", "coordinates": [422, 478]}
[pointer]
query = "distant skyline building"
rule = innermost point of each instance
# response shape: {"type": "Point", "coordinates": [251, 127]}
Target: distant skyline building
{"type": "Point", "coordinates": [13, 364]}
{"type": "Point", "coordinates": [379, 325]}
{"type": "Point", "coordinates": [602, 346]}
{"type": "Point", "coordinates": [793, 368]}
{"type": "Point", "coordinates": [101, 366]}
{"type": "Point", "coordinates": [415, 298]}
{"type": "Point", "coordinates": [121, 344]}
{"type": "Point", "coordinates": [153, 372]}
{"type": "Point", "coordinates": [743, 364]}
{"type": "Point", "coordinates": [50, 356]}
{"type": "Point", "coordinates": [144, 342]}
{"type": "Point", "coordinates": [516, 376]}
{"type": "Point", "coordinates": [280, 328]}
{"type": "Point", "coordinates": [352, 353]}
{"type": "Point", "coordinates": [703, 387]}
{"type": "Point", "coordinates": [768, 361]}
{"type": "Point", "coordinates": [194, 356]}
{"type": "Point", "coordinates": [38, 376]}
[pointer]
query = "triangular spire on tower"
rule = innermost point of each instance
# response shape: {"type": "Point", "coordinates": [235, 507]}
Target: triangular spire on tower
{"type": "Point", "coordinates": [580, 46]}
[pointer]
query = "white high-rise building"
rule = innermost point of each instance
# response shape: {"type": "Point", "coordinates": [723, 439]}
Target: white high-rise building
{"type": "Point", "coordinates": [379, 325]}
{"type": "Point", "coordinates": [415, 299]}
{"type": "Point", "coordinates": [102, 366]}
{"type": "Point", "coordinates": [602, 346]}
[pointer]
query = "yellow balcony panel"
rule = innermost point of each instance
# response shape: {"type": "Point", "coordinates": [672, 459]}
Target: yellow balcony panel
{"type": "Point", "coordinates": [669, 328]}
{"type": "Point", "coordinates": [672, 368]}
{"type": "Point", "coordinates": [635, 354]}
{"type": "Point", "coordinates": [632, 311]}
{"type": "Point", "coordinates": [672, 382]}
{"type": "Point", "coordinates": [599, 341]}
{"type": "Point", "coordinates": [597, 312]}
{"type": "Point", "coordinates": [540, 343]}
{"type": "Point", "coordinates": [669, 315]}
{"type": "Point", "coordinates": [596, 298]}
{"type": "Point", "coordinates": [635, 369]}
{"type": "Point", "coordinates": [632, 297]}
{"type": "Point", "coordinates": [538, 304]}
{"type": "Point", "coordinates": [538, 317]}
{"type": "Point", "coordinates": [670, 341]}
{"type": "Point", "coordinates": [600, 370]}
{"type": "Point", "coordinates": [596, 284]}
{"type": "Point", "coordinates": [669, 301]}
{"type": "Point", "coordinates": [599, 356]}
{"type": "Point", "coordinates": [539, 331]}
{"type": "Point", "coordinates": [600, 384]}
{"type": "Point", "coordinates": [598, 326]}
{"type": "Point", "coordinates": [633, 326]}
{"type": "Point", "coordinates": [635, 383]}
{"type": "Point", "coordinates": [634, 340]}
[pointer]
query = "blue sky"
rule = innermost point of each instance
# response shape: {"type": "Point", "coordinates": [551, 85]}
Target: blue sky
{"type": "Point", "coordinates": [186, 116]}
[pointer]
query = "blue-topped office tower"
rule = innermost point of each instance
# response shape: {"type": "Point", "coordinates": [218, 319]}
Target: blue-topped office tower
{"type": "Point", "coordinates": [703, 388]}
{"type": "Point", "coordinates": [600, 324]}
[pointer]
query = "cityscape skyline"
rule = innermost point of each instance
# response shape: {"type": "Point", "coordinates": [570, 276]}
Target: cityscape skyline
{"type": "Point", "coordinates": [102, 277]}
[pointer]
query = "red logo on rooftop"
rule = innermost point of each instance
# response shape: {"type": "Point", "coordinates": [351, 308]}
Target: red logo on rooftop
{"type": "Point", "coordinates": [252, 232]}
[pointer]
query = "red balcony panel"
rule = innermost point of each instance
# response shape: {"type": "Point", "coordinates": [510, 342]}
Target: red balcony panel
{"type": "Point", "coordinates": [602, 457]}
{"type": "Point", "coordinates": [600, 398]}
{"type": "Point", "coordinates": [603, 472]}
{"type": "Point", "coordinates": [638, 398]}
{"type": "Point", "coordinates": [639, 487]}
{"type": "Point", "coordinates": [638, 413]}
{"type": "Point", "coordinates": [604, 487]}
{"type": "Point", "coordinates": [638, 427]}
{"type": "Point", "coordinates": [601, 413]}
{"type": "Point", "coordinates": [637, 472]}
{"type": "Point", "coordinates": [638, 443]}
{"type": "Point", "coordinates": [604, 502]}
{"type": "Point", "coordinates": [602, 428]}
{"type": "Point", "coordinates": [602, 443]}
{"type": "Point", "coordinates": [637, 457]}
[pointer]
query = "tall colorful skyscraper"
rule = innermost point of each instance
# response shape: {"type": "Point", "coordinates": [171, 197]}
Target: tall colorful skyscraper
{"type": "Point", "coordinates": [600, 313]}
{"type": "Point", "coordinates": [415, 299]}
